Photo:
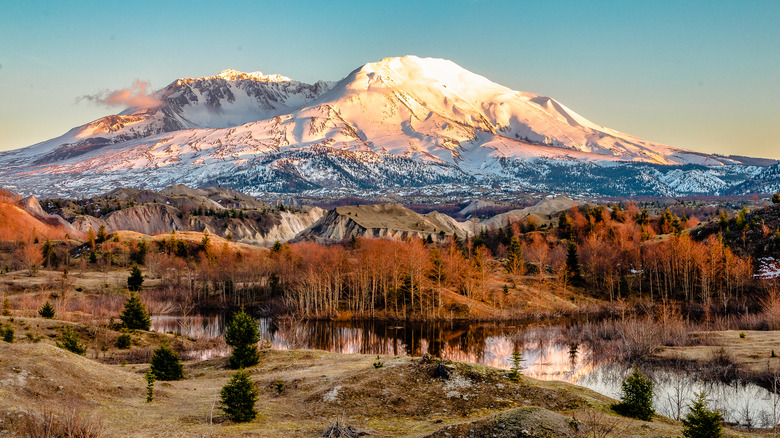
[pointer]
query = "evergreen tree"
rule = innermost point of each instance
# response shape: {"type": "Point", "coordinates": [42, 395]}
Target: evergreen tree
{"type": "Point", "coordinates": [702, 422]}
{"type": "Point", "coordinates": [566, 226]}
{"type": "Point", "coordinates": [514, 257]}
{"type": "Point", "coordinates": [123, 341]}
{"type": "Point", "coordinates": [134, 316]}
{"type": "Point", "coordinates": [8, 333]}
{"type": "Point", "coordinates": [238, 398]}
{"type": "Point", "coordinates": [166, 364]}
{"type": "Point", "coordinates": [47, 311]}
{"type": "Point", "coordinates": [135, 280]}
{"type": "Point", "coordinates": [637, 398]}
{"type": "Point", "coordinates": [6, 307]}
{"type": "Point", "coordinates": [139, 255]}
{"type": "Point", "coordinates": [50, 259]}
{"type": "Point", "coordinates": [573, 264]}
{"type": "Point", "coordinates": [776, 198]}
{"type": "Point", "coordinates": [243, 335]}
{"type": "Point", "coordinates": [150, 378]}
{"type": "Point", "coordinates": [70, 341]}
{"type": "Point", "coordinates": [101, 234]}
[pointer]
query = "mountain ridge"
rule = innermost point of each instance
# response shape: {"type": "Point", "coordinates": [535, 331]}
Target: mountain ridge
{"type": "Point", "coordinates": [400, 122]}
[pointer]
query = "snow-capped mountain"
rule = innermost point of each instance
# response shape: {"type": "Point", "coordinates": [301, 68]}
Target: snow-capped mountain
{"type": "Point", "coordinates": [400, 122]}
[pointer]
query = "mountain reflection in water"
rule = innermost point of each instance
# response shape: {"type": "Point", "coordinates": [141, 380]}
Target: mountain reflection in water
{"type": "Point", "coordinates": [546, 352]}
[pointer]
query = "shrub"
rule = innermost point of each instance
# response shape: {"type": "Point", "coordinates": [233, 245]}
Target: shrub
{"type": "Point", "coordinates": [243, 335]}
{"type": "Point", "coordinates": [70, 341]}
{"type": "Point", "coordinates": [6, 307]}
{"type": "Point", "coordinates": [637, 398]}
{"type": "Point", "coordinates": [47, 311]}
{"type": "Point", "coordinates": [123, 341]}
{"type": "Point", "coordinates": [378, 363]}
{"type": "Point", "coordinates": [8, 333]}
{"type": "Point", "coordinates": [135, 280]}
{"type": "Point", "coordinates": [166, 364]}
{"type": "Point", "coordinates": [238, 398]}
{"type": "Point", "coordinates": [702, 422]}
{"type": "Point", "coordinates": [134, 316]}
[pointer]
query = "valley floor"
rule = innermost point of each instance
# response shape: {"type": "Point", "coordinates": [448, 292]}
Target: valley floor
{"type": "Point", "coordinates": [304, 392]}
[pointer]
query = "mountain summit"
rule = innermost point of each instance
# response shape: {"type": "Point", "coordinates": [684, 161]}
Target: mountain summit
{"type": "Point", "coordinates": [398, 123]}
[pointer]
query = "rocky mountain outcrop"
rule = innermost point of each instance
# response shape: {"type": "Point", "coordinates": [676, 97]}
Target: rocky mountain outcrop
{"type": "Point", "coordinates": [384, 221]}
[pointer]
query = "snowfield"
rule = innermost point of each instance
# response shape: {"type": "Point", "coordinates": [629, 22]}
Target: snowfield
{"type": "Point", "coordinates": [400, 122]}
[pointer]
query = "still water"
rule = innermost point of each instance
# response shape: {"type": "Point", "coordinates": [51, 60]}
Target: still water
{"type": "Point", "coordinates": [546, 353]}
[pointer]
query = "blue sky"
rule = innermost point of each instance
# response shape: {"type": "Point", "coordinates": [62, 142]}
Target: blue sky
{"type": "Point", "coordinates": [698, 74]}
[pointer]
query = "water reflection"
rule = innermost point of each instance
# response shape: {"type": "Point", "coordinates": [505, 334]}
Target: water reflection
{"type": "Point", "coordinates": [547, 355]}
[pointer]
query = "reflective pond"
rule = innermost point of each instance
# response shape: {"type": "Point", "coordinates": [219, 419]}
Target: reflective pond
{"type": "Point", "coordinates": [546, 353]}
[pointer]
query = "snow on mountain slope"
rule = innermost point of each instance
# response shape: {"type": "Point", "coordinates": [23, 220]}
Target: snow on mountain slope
{"type": "Point", "coordinates": [398, 122]}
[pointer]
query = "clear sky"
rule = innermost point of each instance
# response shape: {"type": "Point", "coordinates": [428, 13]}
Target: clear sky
{"type": "Point", "coordinates": [704, 75]}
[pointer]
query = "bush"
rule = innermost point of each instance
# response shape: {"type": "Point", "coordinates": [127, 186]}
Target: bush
{"type": "Point", "coordinates": [702, 422]}
{"type": "Point", "coordinates": [637, 398]}
{"type": "Point", "coordinates": [243, 335]}
{"type": "Point", "coordinates": [134, 316]}
{"type": "Point", "coordinates": [6, 307]}
{"type": "Point", "coordinates": [8, 333]}
{"type": "Point", "coordinates": [166, 364]}
{"type": "Point", "coordinates": [70, 341]}
{"type": "Point", "coordinates": [123, 341]}
{"type": "Point", "coordinates": [135, 280]}
{"type": "Point", "coordinates": [238, 398]}
{"type": "Point", "coordinates": [47, 311]}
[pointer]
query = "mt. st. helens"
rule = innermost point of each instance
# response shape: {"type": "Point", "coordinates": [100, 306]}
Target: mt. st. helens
{"type": "Point", "coordinates": [400, 123]}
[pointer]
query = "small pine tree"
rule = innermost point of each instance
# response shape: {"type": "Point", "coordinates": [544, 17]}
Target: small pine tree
{"type": "Point", "coordinates": [515, 371]}
{"type": "Point", "coordinates": [47, 311]}
{"type": "Point", "coordinates": [514, 257]}
{"type": "Point", "coordinates": [776, 198]}
{"type": "Point", "coordinates": [8, 333]}
{"type": "Point", "coordinates": [702, 422]}
{"type": "Point", "coordinates": [243, 335]}
{"type": "Point", "coordinates": [573, 264]}
{"type": "Point", "coordinates": [166, 364]}
{"type": "Point", "coordinates": [150, 378]}
{"type": "Point", "coordinates": [101, 234]}
{"type": "Point", "coordinates": [637, 398]}
{"type": "Point", "coordinates": [70, 341]}
{"type": "Point", "coordinates": [238, 398]}
{"type": "Point", "coordinates": [135, 280]}
{"type": "Point", "coordinates": [6, 307]}
{"type": "Point", "coordinates": [50, 259]}
{"type": "Point", "coordinates": [123, 341]}
{"type": "Point", "coordinates": [134, 316]}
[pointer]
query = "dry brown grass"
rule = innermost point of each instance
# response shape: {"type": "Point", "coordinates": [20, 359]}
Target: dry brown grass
{"type": "Point", "coordinates": [400, 399]}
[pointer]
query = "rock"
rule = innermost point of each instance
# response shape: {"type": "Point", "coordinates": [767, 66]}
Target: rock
{"type": "Point", "coordinates": [527, 422]}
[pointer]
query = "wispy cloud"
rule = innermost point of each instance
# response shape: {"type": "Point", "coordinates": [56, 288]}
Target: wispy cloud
{"type": "Point", "coordinates": [138, 96]}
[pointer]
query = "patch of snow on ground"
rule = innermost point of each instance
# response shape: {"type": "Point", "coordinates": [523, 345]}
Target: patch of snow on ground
{"type": "Point", "coordinates": [769, 268]}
